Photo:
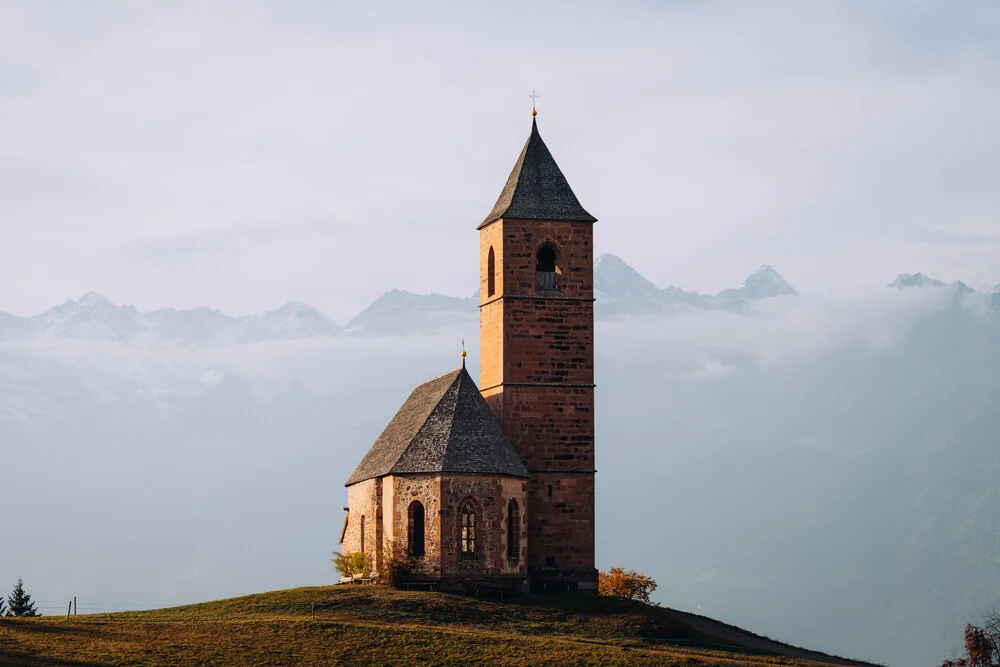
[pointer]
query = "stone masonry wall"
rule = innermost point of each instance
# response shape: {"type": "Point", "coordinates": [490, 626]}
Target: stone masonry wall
{"type": "Point", "coordinates": [538, 380]}
{"type": "Point", "coordinates": [427, 490]}
{"type": "Point", "coordinates": [364, 499]}
{"type": "Point", "coordinates": [491, 308]}
{"type": "Point", "coordinates": [490, 495]}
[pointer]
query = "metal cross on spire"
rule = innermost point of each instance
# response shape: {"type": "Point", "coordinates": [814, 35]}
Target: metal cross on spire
{"type": "Point", "coordinates": [463, 353]}
{"type": "Point", "coordinates": [534, 96]}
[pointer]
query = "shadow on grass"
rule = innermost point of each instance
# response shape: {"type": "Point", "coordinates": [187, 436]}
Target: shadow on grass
{"type": "Point", "coordinates": [46, 627]}
{"type": "Point", "coordinates": [17, 659]}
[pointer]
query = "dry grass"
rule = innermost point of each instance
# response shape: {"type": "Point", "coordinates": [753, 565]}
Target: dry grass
{"type": "Point", "coordinates": [366, 625]}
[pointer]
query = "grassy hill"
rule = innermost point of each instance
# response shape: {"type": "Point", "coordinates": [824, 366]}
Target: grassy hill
{"type": "Point", "coordinates": [374, 625]}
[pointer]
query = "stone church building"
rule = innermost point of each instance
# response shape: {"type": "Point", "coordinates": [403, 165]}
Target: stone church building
{"type": "Point", "coordinates": [493, 486]}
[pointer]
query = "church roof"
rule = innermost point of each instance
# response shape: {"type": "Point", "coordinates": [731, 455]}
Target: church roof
{"type": "Point", "coordinates": [536, 188]}
{"type": "Point", "coordinates": [444, 426]}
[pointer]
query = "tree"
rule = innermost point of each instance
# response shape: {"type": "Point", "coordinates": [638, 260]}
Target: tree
{"type": "Point", "coordinates": [2, 609]}
{"type": "Point", "coordinates": [20, 602]}
{"type": "Point", "coordinates": [982, 644]}
{"type": "Point", "coordinates": [630, 585]}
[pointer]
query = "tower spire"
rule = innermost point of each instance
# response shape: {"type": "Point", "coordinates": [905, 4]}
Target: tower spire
{"type": "Point", "coordinates": [537, 189]}
{"type": "Point", "coordinates": [463, 353]}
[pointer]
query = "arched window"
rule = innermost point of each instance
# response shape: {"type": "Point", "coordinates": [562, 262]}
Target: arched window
{"type": "Point", "coordinates": [491, 273]}
{"type": "Point", "coordinates": [362, 533]}
{"type": "Point", "coordinates": [468, 537]}
{"type": "Point", "coordinates": [415, 530]}
{"type": "Point", "coordinates": [513, 532]}
{"type": "Point", "coordinates": [546, 269]}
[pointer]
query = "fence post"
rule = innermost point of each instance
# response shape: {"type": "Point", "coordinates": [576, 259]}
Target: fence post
{"type": "Point", "coordinates": [68, 608]}
{"type": "Point", "coordinates": [74, 605]}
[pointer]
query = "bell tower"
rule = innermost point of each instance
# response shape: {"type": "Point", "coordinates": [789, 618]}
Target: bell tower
{"type": "Point", "coordinates": [536, 330]}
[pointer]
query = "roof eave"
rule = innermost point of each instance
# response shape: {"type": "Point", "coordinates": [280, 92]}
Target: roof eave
{"type": "Point", "coordinates": [489, 221]}
{"type": "Point", "coordinates": [524, 475]}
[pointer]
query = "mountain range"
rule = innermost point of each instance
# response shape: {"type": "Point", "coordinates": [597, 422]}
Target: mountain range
{"type": "Point", "coordinates": [620, 291]}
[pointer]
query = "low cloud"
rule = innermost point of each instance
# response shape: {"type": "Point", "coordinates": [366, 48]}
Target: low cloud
{"type": "Point", "coordinates": [775, 331]}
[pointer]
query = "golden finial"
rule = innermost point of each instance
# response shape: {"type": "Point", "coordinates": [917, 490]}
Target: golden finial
{"type": "Point", "coordinates": [463, 353]}
{"type": "Point", "coordinates": [534, 96]}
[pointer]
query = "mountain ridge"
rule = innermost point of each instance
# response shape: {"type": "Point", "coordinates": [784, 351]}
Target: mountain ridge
{"type": "Point", "coordinates": [619, 290]}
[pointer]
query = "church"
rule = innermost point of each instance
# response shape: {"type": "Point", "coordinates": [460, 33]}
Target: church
{"type": "Point", "coordinates": [493, 485]}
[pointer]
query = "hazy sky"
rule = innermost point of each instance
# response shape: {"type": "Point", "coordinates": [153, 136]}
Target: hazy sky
{"type": "Point", "coordinates": [243, 154]}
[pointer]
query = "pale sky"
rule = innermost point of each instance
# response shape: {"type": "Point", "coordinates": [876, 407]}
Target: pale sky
{"type": "Point", "coordinates": [243, 154]}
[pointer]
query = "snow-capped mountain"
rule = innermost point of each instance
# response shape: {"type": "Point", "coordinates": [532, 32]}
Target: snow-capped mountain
{"type": "Point", "coordinates": [763, 283]}
{"type": "Point", "coordinates": [400, 313]}
{"type": "Point", "coordinates": [94, 317]}
{"type": "Point", "coordinates": [293, 320]}
{"type": "Point", "coordinates": [961, 295]}
{"type": "Point", "coordinates": [621, 290]}
{"type": "Point", "coordinates": [905, 280]}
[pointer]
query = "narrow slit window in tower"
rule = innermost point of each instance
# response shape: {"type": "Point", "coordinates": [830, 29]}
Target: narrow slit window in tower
{"type": "Point", "coordinates": [491, 280]}
{"type": "Point", "coordinates": [362, 533]}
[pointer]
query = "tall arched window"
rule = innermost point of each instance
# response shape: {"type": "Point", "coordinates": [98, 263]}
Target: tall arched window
{"type": "Point", "coordinates": [491, 273]}
{"type": "Point", "coordinates": [415, 529]}
{"type": "Point", "coordinates": [513, 532]}
{"type": "Point", "coordinates": [546, 269]}
{"type": "Point", "coordinates": [468, 537]}
{"type": "Point", "coordinates": [362, 533]}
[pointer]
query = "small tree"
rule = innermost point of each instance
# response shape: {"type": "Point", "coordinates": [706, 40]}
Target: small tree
{"type": "Point", "coordinates": [20, 602]}
{"type": "Point", "coordinates": [355, 564]}
{"type": "Point", "coordinates": [982, 644]}
{"type": "Point", "coordinates": [630, 585]}
{"type": "Point", "coordinates": [3, 609]}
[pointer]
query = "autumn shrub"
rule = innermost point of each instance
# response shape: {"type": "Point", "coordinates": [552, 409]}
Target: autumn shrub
{"type": "Point", "coordinates": [355, 564]}
{"type": "Point", "coordinates": [396, 565]}
{"type": "Point", "coordinates": [628, 584]}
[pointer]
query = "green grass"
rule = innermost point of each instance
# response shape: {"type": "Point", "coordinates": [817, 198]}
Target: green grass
{"type": "Point", "coordinates": [371, 625]}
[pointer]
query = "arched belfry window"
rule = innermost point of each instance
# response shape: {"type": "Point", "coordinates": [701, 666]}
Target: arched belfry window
{"type": "Point", "coordinates": [491, 273]}
{"type": "Point", "coordinates": [415, 529]}
{"type": "Point", "coordinates": [467, 540]}
{"type": "Point", "coordinates": [513, 532]}
{"type": "Point", "coordinates": [362, 533]}
{"type": "Point", "coordinates": [546, 269]}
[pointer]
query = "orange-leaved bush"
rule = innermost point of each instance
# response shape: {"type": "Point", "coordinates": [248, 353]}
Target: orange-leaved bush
{"type": "Point", "coordinates": [621, 583]}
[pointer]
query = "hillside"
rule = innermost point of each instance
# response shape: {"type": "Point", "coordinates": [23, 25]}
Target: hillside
{"type": "Point", "coordinates": [364, 625]}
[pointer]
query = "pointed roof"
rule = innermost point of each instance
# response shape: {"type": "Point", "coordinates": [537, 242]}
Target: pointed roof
{"type": "Point", "coordinates": [536, 188]}
{"type": "Point", "coordinates": [444, 426]}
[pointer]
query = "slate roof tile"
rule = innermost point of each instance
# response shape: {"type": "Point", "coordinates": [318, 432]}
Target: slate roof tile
{"type": "Point", "coordinates": [444, 426]}
{"type": "Point", "coordinates": [536, 188]}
